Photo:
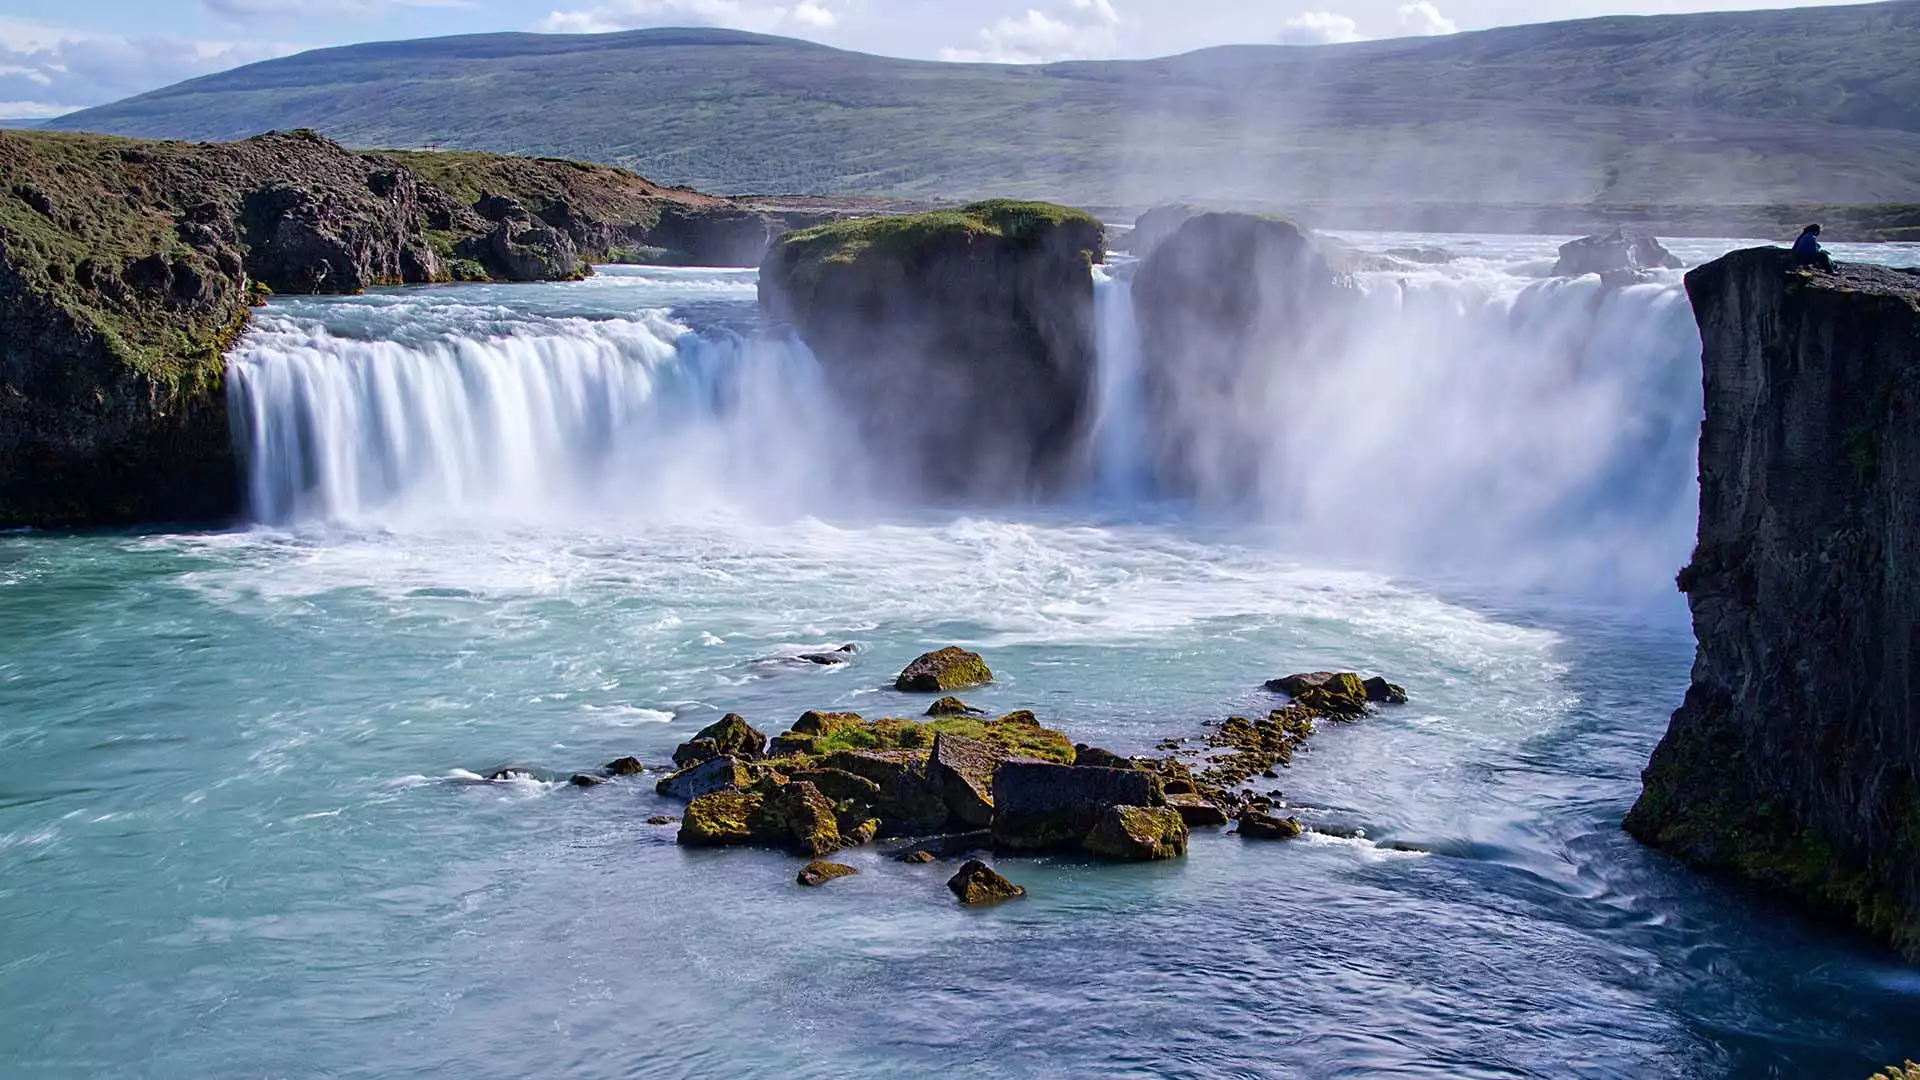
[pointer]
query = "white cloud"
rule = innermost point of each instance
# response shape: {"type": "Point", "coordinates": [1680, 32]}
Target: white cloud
{"type": "Point", "coordinates": [33, 110]}
{"type": "Point", "coordinates": [1320, 28]}
{"type": "Point", "coordinates": [46, 70]}
{"type": "Point", "coordinates": [732, 14]}
{"type": "Point", "coordinates": [1074, 30]}
{"type": "Point", "coordinates": [1422, 19]}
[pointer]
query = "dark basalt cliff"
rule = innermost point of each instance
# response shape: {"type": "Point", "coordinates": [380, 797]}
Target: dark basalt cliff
{"type": "Point", "coordinates": [127, 269]}
{"type": "Point", "coordinates": [1232, 310]}
{"type": "Point", "coordinates": [1795, 760]}
{"type": "Point", "coordinates": [964, 339]}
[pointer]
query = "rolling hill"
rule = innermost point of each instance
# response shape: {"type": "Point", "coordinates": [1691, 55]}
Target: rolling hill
{"type": "Point", "coordinates": [1816, 105]}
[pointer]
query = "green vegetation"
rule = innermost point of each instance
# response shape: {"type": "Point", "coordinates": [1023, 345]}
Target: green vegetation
{"type": "Point", "coordinates": [77, 212]}
{"type": "Point", "coordinates": [1810, 106]}
{"type": "Point", "coordinates": [1017, 733]}
{"type": "Point", "coordinates": [894, 237]}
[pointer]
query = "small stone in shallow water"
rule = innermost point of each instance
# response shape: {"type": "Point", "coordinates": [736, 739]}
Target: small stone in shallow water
{"type": "Point", "coordinates": [977, 883]}
{"type": "Point", "coordinates": [953, 706]}
{"type": "Point", "coordinates": [1382, 692]}
{"type": "Point", "coordinates": [951, 668]}
{"type": "Point", "coordinates": [512, 772]}
{"type": "Point", "coordinates": [583, 780]}
{"type": "Point", "coordinates": [819, 872]}
{"type": "Point", "coordinates": [920, 857]}
{"type": "Point", "coordinates": [663, 819]}
{"type": "Point", "coordinates": [626, 766]}
{"type": "Point", "coordinates": [1258, 826]}
{"type": "Point", "coordinates": [841, 655]}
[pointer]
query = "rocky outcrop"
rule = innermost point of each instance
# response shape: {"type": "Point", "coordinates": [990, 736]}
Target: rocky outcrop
{"type": "Point", "coordinates": [1040, 806]}
{"type": "Point", "coordinates": [1138, 834]}
{"type": "Point", "coordinates": [951, 668]}
{"type": "Point", "coordinates": [1232, 309]}
{"type": "Point", "coordinates": [1157, 225]}
{"type": "Point", "coordinates": [977, 883]}
{"type": "Point", "coordinates": [1795, 759]}
{"type": "Point", "coordinates": [1622, 250]}
{"type": "Point", "coordinates": [963, 339]}
{"type": "Point", "coordinates": [729, 736]}
{"type": "Point", "coordinates": [127, 269]}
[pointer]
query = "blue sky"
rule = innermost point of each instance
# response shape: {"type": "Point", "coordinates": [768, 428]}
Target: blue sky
{"type": "Point", "coordinates": [55, 56]}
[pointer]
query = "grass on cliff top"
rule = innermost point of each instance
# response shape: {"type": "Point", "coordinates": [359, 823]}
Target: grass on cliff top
{"type": "Point", "coordinates": [606, 192]}
{"type": "Point", "coordinates": [1012, 219]}
{"type": "Point", "coordinates": [75, 206]}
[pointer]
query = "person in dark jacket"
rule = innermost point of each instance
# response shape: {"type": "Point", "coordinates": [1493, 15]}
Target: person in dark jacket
{"type": "Point", "coordinates": [1808, 252]}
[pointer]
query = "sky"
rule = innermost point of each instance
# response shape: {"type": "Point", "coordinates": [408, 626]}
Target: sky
{"type": "Point", "coordinates": [59, 55]}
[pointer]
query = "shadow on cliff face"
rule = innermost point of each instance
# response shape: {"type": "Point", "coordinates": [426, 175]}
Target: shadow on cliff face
{"type": "Point", "coordinates": [963, 341]}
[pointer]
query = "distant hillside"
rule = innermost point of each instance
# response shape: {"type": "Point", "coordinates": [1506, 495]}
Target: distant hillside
{"type": "Point", "coordinates": [1810, 105]}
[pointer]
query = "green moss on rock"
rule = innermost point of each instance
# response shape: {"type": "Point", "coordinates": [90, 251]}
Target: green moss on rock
{"type": "Point", "coordinates": [951, 668]}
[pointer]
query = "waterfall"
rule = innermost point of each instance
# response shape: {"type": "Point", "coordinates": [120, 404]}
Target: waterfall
{"type": "Point", "coordinates": [530, 418]}
{"type": "Point", "coordinates": [1545, 427]}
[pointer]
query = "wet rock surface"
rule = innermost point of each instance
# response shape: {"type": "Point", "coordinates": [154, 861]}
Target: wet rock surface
{"type": "Point", "coordinates": [977, 883]}
{"type": "Point", "coordinates": [951, 668]}
{"type": "Point", "coordinates": [819, 872]}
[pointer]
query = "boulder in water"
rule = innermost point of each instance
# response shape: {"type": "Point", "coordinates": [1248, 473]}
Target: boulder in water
{"type": "Point", "coordinates": [626, 766]}
{"type": "Point", "coordinates": [963, 340]}
{"type": "Point", "coordinates": [1040, 806]}
{"type": "Point", "coordinates": [1257, 825]}
{"type": "Point", "coordinates": [834, 658]}
{"type": "Point", "coordinates": [1196, 810]}
{"type": "Point", "coordinates": [1138, 834]}
{"type": "Point", "coordinates": [1621, 249]}
{"type": "Point", "coordinates": [951, 668]}
{"type": "Point", "coordinates": [977, 883]}
{"type": "Point", "coordinates": [953, 706]}
{"type": "Point", "coordinates": [720, 818]}
{"type": "Point", "coordinates": [585, 780]}
{"type": "Point", "coordinates": [1341, 694]}
{"type": "Point", "coordinates": [917, 857]}
{"type": "Point", "coordinates": [730, 736]}
{"type": "Point", "coordinates": [1382, 692]}
{"type": "Point", "coordinates": [798, 815]}
{"type": "Point", "coordinates": [1094, 757]}
{"type": "Point", "coordinates": [819, 872]}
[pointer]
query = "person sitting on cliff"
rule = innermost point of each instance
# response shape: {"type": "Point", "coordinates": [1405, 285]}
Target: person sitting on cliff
{"type": "Point", "coordinates": [1808, 252]}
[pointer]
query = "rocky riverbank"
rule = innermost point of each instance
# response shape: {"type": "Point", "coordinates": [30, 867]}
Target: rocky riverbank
{"type": "Point", "coordinates": [1795, 760]}
{"type": "Point", "coordinates": [128, 268]}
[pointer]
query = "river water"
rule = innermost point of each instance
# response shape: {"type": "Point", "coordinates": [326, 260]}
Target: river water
{"type": "Point", "coordinates": [242, 830]}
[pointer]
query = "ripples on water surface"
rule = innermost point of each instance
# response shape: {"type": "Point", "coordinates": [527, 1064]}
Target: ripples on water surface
{"type": "Point", "coordinates": [238, 837]}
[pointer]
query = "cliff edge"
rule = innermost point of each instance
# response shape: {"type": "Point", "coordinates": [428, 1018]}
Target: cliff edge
{"type": "Point", "coordinates": [1795, 759]}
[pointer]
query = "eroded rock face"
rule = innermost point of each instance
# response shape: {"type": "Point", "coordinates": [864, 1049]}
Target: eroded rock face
{"type": "Point", "coordinates": [951, 668]}
{"type": "Point", "coordinates": [1233, 310]}
{"type": "Point", "coordinates": [963, 340]}
{"type": "Point", "coordinates": [1040, 806]}
{"type": "Point", "coordinates": [1795, 759]}
{"type": "Point", "coordinates": [1622, 250]}
{"type": "Point", "coordinates": [699, 779]}
{"type": "Point", "coordinates": [960, 771]}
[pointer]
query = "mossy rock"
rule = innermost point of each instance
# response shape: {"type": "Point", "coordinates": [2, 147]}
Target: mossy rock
{"type": "Point", "coordinates": [730, 736]}
{"type": "Point", "coordinates": [1138, 834]}
{"type": "Point", "coordinates": [1094, 757]}
{"type": "Point", "coordinates": [819, 872]}
{"type": "Point", "coordinates": [1339, 693]}
{"type": "Point", "coordinates": [798, 815]}
{"type": "Point", "coordinates": [953, 706]}
{"type": "Point", "coordinates": [1255, 825]}
{"type": "Point", "coordinates": [721, 818]}
{"type": "Point", "coordinates": [977, 883]}
{"type": "Point", "coordinates": [626, 766]}
{"type": "Point", "coordinates": [1382, 692]}
{"type": "Point", "coordinates": [951, 668]}
{"type": "Point", "coordinates": [708, 776]}
{"type": "Point", "coordinates": [1196, 811]}
{"type": "Point", "coordinates": [1041, 806]}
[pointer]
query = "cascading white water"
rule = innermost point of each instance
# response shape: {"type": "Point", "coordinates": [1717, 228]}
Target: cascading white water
{"type": "Point", "coordinates": [1538, 427]}
{"type": "Point", "coordinates": [531, 418]}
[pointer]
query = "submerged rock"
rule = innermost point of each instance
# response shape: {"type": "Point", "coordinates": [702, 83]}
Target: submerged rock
{"type": "Point", "coordinates": [917, 857]}
{"type": "Point", "coordinates": [953, 706]}
{"type": "Point", "coordinates": [951, 668]}
{"type": "Point", "coordinates": [962, 340]}
{"type": "Point", "coordinates": [841, 655]}
{"type": "Point", "coordinates": [1795, 759]}
{"type": "Point", "coordinates": [1138, 834]}
{"type": "Point", "coordinates": [819, 872]}
{"type": "Point", "coordinates": [513, 772]}
{"type": "Point", "coordinates": [663, 819]}
{"type": "Point", "coordinates": [978, 883]}
{"type": "Point", "coordinates": [584, 780]}
{"type": "Point", "coordinates": [1621, 249]}
{"type": "Point", "coordinates": [626, 766]}
{"type": "Point", "coordinates": [1040, 806]}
